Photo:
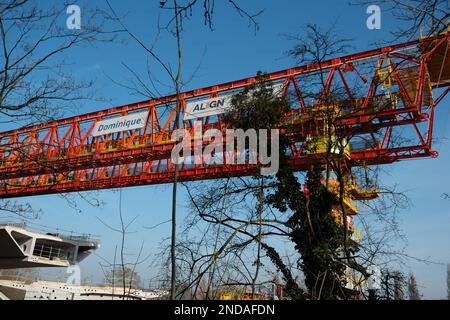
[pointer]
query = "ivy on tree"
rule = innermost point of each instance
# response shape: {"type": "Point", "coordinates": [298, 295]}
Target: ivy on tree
{"type": "Point", "coordinates": [317, 237]}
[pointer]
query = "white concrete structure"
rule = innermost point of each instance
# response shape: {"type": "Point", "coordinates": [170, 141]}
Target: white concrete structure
{"type": "Point", "coordinates": [20, 248]}
{"type": "Point", "coordinates": [44, 290]}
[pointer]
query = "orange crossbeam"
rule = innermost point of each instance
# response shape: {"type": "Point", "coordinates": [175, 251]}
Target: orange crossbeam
{"type": "Point", "coordinates": [386, 90]}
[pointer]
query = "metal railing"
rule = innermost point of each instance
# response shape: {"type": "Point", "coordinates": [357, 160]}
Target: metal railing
{"type": "Point", "coordinates": [68, 235]}
{"type": "Point", "coordinates": [51, 253]}
{"type": "Point", "coordinates": [9, 224]}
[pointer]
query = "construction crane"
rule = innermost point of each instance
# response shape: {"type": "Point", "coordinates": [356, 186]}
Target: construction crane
{"type": "Point", "coordinates": [387, 92]}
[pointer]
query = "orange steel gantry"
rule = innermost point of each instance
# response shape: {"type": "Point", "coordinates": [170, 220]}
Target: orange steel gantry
{"type": "Point", "coordinates": [389, 92]}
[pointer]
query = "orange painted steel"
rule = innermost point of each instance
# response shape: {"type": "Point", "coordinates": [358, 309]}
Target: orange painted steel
{"type": "Point", "coordinates": [386, 93]}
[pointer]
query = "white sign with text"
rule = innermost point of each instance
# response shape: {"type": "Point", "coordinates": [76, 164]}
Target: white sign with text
{"type": "Point", "coordinates": [130, 122]}
{"type": "Point", "coordinates": [207, 107]}
{"type": "Point", "coordinates": [215, 106]}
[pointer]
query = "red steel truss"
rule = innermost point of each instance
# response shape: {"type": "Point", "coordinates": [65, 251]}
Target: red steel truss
{"type": "Point", "coordinates": [386, 111]}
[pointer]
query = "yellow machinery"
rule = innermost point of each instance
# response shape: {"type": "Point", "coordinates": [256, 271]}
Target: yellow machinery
{"type": "Point", "coordinates": [245, 295]}
{"type": "Point", "coordinates": [353, 193]}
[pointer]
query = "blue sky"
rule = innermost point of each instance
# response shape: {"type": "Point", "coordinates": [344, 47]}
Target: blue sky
{"type": "Point", "coordinates": [233, 51]}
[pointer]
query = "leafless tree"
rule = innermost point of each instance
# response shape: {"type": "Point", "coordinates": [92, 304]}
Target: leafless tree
{"type": "Point", "coordinates": [28, 275]}
{"type": "Point", "coordinates": [130, 277]}
{"type": "Point", "coordinates": [224, 243]}
{"type": "Point", "coordinates": [125, 271]}
{"type": "Point", "coordinates": [36, 83]}
{"type": "Point", "coordinates": [392, 286]}
{"type": "Point", "coordinates": [413, 290]}
{"type": "Point", "coordinates": [210, 256]}
{"type": "Point", "coordinates": [379, 231]}
{"type": "Point", "coordinates": [379, 221]}
{"type": "Point", "coordinates": [178, 12]}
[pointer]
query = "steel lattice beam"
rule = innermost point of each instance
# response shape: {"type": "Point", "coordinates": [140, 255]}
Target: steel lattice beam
{"type": "Point", "coordinates": [382, 90]}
